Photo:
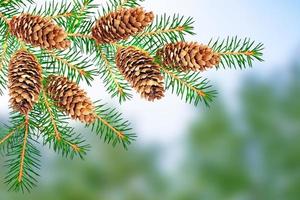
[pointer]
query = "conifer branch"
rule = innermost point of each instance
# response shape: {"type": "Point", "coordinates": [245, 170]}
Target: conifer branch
{"type": "Point", "coordinates": [71, 64]}
{"type": "Point", "coordinates": [67, 14]}
{"type": "Point", "coordinates": [79, 35]}
{"type": "Point", "coordinates": [4, 18]}
{"type": "Point", "coordinates": [82, 38]}
{"type": "Point", "coordinates": [21, 171]}
{"type": "Point", "coordinates": [115, 5]}
{"type": "Point", "coordinates": [24, 157]}
{"type": "Point", "coordinates": [80, 11]}
{"type": "Point", "coordinates": [190, 86]}
{"type": "Point", "coordinates": [128, 49]}
{"type": "Point", "coordinates": [15, 3]}
{"type": "Point", "coordinates": [67, 63]}
{"type": "Point", "coordinates": [51, 9]}
{"type": "Point", "coordinates": [3, 57]}
{"type": "Point", "coordinates": [165, 29]}
{"type": "Point", "coordinates": [59, 135]}
{"type": "Point", "coordinates": [10, 134]}
{"type": "Point", "coordinates": [48, 107]}
{"type": "Point", "coordinates": [118, 133]}
{"type": "Point", "coordinates": [113, 80]}
{"type": "Point", "coordinates": [237, 53]}
{"type": "Point", "coordinates": [126, 3]}
{"type": "Point", "coordinates": [111, 127]}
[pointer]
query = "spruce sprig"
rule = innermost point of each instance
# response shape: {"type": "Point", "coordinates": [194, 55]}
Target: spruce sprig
{"type": "Point", "coordinates": [112, 78]}
{"type": "Point", "coordinates": [8, 46]}
{"type": "Point", "coordinates": [111, 126]}
{"type": "Point", "coordinates": [56, 131]}
{"type": "Point", "coordinates": [237, 53]}
{"type": "Point", "coordinates": [113, 5]}
{"type": "Point", "coordinates": [69, 63]}
{"type": "Point", "coordinates": [85, 60]}
{"type": "Point", "coordinates": [5, 3]}
{"type": "Point", "coordinates": [191, 87]}
{"type": "Point", "coordinates": [165, 29]}
{"type": "Point", "coordinates": [23, 157]}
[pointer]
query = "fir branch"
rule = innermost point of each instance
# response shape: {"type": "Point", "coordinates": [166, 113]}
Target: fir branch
{"type": "Point", "coordinates": [82, 9]}
{"type": "Point", "coordinates": [16, 3]}
{"type": "Point", "coordinates": [9, 139]}
{"type": "Point", "coordinates": [113, 80]}
{"type": "Point", "coordinates": [111, 127]}
{"type": "Point", "coordinates": [8, 47]}
{"type": "Point", "coordinates": [24, 159]}
{"type": "Point", "coordinates": [51, 10]}
{"type": "Point", "coordinates": [83, 39]}
{"type": "Point", "coordinates": [3, 18]}
{"type": "Point", "coordinates": [10, 134]}
{"type": "Point", "coordinates": [10, 10]}
{"type": "Point", "coordinates": [119, 4]}
{"type": "Point", "coordinates": [80, 35]}
{"type": "Point", "coordinates": [237, 53]}
{"type": "Point", "coordinates": [57, 134]}
{"type": "Point", "coordinates": [165, 29]}
{"type": "Point", "coordinates": [70, 64]}
{"type": "Point", "coordinates": [3, 57]}
{"type": "Point", "coordinates": [189, 86]}
{"type": "Point", "coordinates": [55, 130]}
{"type": "Point", "coordinates": [114, 5]}
{"type": "Point", "coordinates": [21, 171]}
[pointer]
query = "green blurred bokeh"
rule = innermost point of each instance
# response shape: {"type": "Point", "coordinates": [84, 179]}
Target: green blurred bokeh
{"type": "Point", "coordinates": [251, 154]}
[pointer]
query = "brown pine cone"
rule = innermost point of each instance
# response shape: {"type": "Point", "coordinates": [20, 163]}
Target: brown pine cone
{"type": "Point", "coordinates": [39, 31]}
{"type": "Point", "coordinates": [70, 98]}
{"type": "Point", "coordinates": [24, 81]}
{"type": "Point", "coordinates": [185, 56]}
{"type": "Point", "coordinates": [141, 72]}
{"type": "Point", "coordinates": [121, 25]}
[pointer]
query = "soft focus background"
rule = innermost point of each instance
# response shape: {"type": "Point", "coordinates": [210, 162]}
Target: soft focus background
{"type": "Point", "coordinates": [245, 147]}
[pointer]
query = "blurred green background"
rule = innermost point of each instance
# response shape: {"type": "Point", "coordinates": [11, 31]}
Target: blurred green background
{"type": "Point", "coordinates": [253, 155]}
{"type": "Point", "coordinates": [245, 147]}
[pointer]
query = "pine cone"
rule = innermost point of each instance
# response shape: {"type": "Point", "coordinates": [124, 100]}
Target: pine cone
{"type": "Point", "coordinates": [24, 80]}
{"type": "Point", "coordinates": [140, 70]}
{"type": "Point", "coordinates": [70, 98]}
{"type": "Point", "coordinates": [121, 25]}
{"type": "Point", "coordinates": [39, 31]}
{"type": "Point", "coordinates": [185, 56]}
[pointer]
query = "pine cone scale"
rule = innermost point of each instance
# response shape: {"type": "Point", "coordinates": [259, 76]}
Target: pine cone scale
{"type": "Point", "coordinates": [121, 25]}
{"type": "Point", "coordinates": [185, 56]}
{"type": "Point", "coordinates": [39, 31]}
{"type": "Point", "coordinates": [25, 77]}
{"type": "Point", "coordinates": [140, 70]}
{"type": "Point", "coordinates": [70, 98]}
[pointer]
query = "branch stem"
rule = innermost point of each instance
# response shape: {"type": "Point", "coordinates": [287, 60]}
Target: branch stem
{"type": "Point", "coordinates": [79, 35]}
{"type": "Point", "coordinates": [106, 123]}
{"type": "Point", "coordinates": [21, 172]}
{"type": "Point", "coordinates": [236, 53]}
{"type": "Point", "coordinates": [4, 18]}
{"type": "Point", "coordinates": [163, 31]}
{"type": "Point", "coordinates": [66, 62]}
{"type": "Point", "coordinates": [67, 14]}
{"type": "Point", "coordinates": [4, 47]}
{"type": "Point", "coordinates": [122, 3]}
{"type": "Point", "coordinates": [199, 92]}
{"type": "Point", "coordinates": [11, 133]}
{"type": "Point", "coordinates": [109, 68]}
{"type": "Point", "coordinates": [48, 107]}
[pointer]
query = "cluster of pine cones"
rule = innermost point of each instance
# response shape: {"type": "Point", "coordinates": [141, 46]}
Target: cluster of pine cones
{"type": "Point", "coordinates": [137, 66]}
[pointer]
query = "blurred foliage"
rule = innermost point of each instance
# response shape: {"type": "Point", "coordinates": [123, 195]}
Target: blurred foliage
{"type": "Point", "coordinates": [252, 154]}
